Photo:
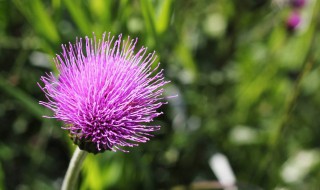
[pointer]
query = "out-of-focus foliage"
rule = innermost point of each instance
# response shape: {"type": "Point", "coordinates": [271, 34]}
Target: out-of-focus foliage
{"type": "Point", "coordinates": [248, 87]}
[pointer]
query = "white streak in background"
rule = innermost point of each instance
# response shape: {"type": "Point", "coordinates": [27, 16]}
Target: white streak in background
{"type": "Point", "coordinates": [220, 166]}
{"type": "Point", "coordinates": [177, 106]}
{"type": "Point", "coordinates": [280, 4]}
{"type": "Point", "coordinates": [298, 166]}
{"type": "Point", "coordinates": [242, 135]}
{"type": "Point", "coordinates": [40, 59]}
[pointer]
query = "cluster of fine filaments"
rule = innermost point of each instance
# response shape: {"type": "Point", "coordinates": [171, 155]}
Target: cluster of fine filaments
{"type": "Point", "coordinates": [106, 93]}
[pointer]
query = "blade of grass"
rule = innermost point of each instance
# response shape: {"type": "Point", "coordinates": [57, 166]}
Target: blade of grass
{"type": "Point", "coordinates": [149, 20]}
{"type": "Point", "coordinates": [28, 102]}
{"type": "Point", "coordinates": [78, 15]}
{"type": "Point", "coordinates": [123, 11]}
{"type": "Point", "coordinates": [4, 9]}
{"type": "Point", "coordinates": [38, 17]}
{"type": "Point", "coordinates": [2, 177]}
{"type": "Point", "coordinates": [186, 59]}
{"type": "Point", "coordinates": [101, 12]}
{"type": "Point", "coordinates": [101, 9]}
{"type": "Point", "coordinates": [164, 16]}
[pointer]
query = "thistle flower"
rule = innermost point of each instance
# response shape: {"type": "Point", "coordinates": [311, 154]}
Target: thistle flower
{"type": "Point", "coordinates": [106, 94]}
{"type": "Point", "coordinates": [293, 21]}
{"type": "Point", "coordinates": [298, 3]}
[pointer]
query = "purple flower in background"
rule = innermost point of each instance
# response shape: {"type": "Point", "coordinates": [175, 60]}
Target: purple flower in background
{"type": "Point", "coordinates": [106, 93]}
{"type": "Point", "coordinates": [298, 3]}
{"type": "Point", "coordinates": [293, 21]}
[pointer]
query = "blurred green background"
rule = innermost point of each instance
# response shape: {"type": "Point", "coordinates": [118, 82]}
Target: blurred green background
{"type": "Point", "coordinates": [248, 88]}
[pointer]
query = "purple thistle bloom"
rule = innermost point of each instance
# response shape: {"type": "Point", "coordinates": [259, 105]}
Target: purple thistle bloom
{"type": "Point", "coordinates": [293, 21]}
{"type": "Point", "coordinates": [106, 93]}
{"type": "Point", "coordinates": [298, 3]}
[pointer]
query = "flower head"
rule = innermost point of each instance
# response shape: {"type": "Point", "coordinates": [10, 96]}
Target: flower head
{"type": "Point", "coordinates": [298, 3]}
{"type": "Point", "coordinates": [293, 21]}
{"type": "Point", "coordinates": [106, 94]}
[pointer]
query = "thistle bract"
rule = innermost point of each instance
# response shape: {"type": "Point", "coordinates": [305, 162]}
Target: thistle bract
{"type": "Point", "coordinates": [106, 93]}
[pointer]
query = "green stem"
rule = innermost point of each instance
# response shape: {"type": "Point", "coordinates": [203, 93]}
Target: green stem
{"type": "Point", "coordinates": [73, 171]}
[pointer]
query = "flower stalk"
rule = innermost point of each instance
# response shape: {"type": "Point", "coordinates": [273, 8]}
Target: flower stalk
{"type": "Point", "coordinates": [75, 165]}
